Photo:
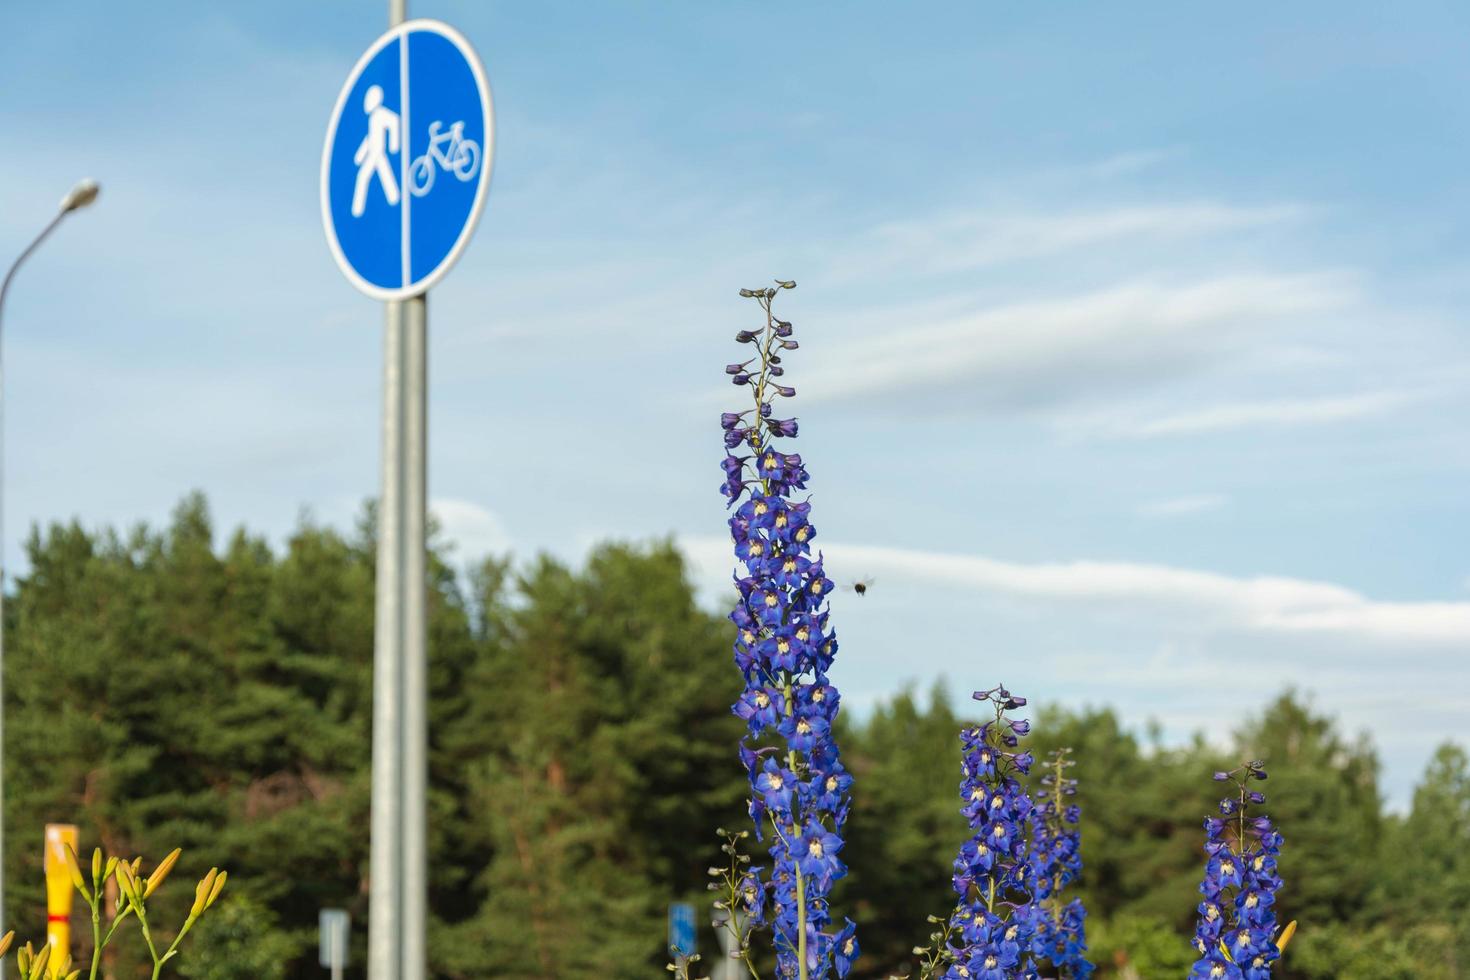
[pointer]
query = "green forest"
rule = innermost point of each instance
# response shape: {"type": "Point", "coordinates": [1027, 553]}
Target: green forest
{"type": "Point", "coordinates": [173, 687]}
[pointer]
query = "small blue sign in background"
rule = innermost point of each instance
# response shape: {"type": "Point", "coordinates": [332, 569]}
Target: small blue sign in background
{"type": "Point", "coordinates": [407, 160]}
{"type": "Point", "coordinates": [681, 929]}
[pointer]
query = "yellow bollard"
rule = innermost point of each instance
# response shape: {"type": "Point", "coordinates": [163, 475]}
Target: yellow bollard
{"type": "Point", "coordinates": [59, 890]}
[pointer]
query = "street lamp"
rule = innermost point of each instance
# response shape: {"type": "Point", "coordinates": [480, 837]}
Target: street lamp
{"type": "Point", "coordinates": [83, 194]}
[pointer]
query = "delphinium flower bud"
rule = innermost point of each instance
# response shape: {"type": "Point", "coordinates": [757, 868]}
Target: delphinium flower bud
{"type": "Point", "coordinates": [1056, 859]}
{"type": "Point", "coordinates": [1235, 935]}
{"type": "Point", "coordinates": [992, 874]}
{"type": "Point", "coordinates": [784, 649]}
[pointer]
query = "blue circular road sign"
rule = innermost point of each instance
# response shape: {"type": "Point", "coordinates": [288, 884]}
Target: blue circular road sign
{"type": "Point", "coordinates": [407, 160]}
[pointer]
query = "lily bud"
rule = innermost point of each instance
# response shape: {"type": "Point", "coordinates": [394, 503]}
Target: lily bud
{"type": "Point", "coordinates": [201, 892]}
{"type": "Point", "coordinates": [161, 872]}
{"type": "Point", "coordinates": [73, 868]}
{"type": "Point", "coordinates": [126, 883]}
{"type": "Point", "coordinates": [219, 886]}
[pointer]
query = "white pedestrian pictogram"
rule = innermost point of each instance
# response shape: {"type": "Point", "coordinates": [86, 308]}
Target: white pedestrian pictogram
{"type": "Point", "coordinates": [452, 152]}
{"type": "Point", "coordinates": [372, 153]}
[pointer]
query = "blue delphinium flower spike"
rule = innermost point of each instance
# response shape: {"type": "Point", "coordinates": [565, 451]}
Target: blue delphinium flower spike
{"type": "Point", "coordinates": [1056, 856]}
{"type": "Point", "coordinates": [784, 649]}
{"type": "Point", "coordinates": [992, 874]}
{"type": "Point", "coordinates": [1235, 934]}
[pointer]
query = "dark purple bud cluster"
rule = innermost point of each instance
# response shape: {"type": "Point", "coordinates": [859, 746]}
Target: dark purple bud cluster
{"type": "Point", "coordinates": [784, 649]}
{"type": "Point", "coordinates": [1235, 934]}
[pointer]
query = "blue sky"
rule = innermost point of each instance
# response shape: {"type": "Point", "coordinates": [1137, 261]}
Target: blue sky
{"type": "Point", "coordinates": [1134, 366]}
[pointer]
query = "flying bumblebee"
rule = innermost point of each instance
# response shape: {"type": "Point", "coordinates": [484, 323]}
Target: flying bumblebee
{"type": "Point", "coordinates": [861, 586]}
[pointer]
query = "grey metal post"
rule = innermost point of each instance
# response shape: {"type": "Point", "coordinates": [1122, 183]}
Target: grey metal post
{"type": "Point", "coordinates": [83, 194]}
{"type": "Point", "coordinates": [398, 910]}
{"type": "Point", "coordinates": [725, 970]}
{"type": "Point", "coordinates": [385, 923]}
{"type": "Point", "coordinates": [414, 806]}
{"type": "Point", "coordinates": [727, 950]}
{"type": "Point", "coordinates": [5, 288]}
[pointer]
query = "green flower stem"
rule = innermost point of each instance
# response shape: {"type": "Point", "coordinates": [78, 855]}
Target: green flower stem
{"type": "Point", "coordinates": [1056, 878]}
{"type": "Point", "coordinates": [96, 935]}
{"type": "Point", "coordinates": [800, 891]}
{"type": "Point", "coordinates": [148, 938]}
{"type": "Point", "coordinates": [796, 858]}
{"type": "Point", "coordinates": [174, 946]}
{"type": "Point", "coordinates": [801, 924]}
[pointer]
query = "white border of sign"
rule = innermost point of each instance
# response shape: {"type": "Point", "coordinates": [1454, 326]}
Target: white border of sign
{"type": "Point", "coordinates": [460, 42]}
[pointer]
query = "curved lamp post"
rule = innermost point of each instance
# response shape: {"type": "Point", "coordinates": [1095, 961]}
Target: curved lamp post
{"type": "Point", "coordinates": [83, 194]}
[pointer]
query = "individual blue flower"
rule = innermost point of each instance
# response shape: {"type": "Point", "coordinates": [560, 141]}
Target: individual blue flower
{"type": "Point", "coordinates": [818, 852]}
{"type": "Point", "coordinates": [845, 948]}
{"type": "Point", "coordinates": [1215, 967]}
{"type": "Point", "coordinates": [829, 789]}
{"type": "Point", "coordinates": [760, 707]}
{"type": "Point", "coordinates": [804, 732]}
{"type": "Point", "coordinates": [776, 786]}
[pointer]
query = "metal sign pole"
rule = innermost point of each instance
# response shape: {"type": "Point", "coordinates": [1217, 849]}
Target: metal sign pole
{"type": "Point", "coordinates": [414, 805]}
{"type": "Point", "coordinates": [398, 912]}
{"type": "Point", "coordinates": [385, 900]}
{"type": "Point", "coordinates": [373, 120]}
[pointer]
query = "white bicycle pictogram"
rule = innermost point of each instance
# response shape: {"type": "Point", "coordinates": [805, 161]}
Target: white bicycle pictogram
{"type": "Point", "coordinates": [451, 151]}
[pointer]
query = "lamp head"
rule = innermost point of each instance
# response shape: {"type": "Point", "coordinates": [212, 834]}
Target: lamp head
{"type": "Point", "coordinates": [81, 195]}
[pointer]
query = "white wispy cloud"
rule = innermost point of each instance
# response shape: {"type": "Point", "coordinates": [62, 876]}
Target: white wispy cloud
{"type": "Point", "coordinates": [1180, 506]}
{"type": "Point", "coordinates": [1269, 413]}
{"type": "Point", "coordinates": [1052, 349]}
{"type": "Point", "coordinates": [1207, 600]}
{"type": "Point", "coordinates": [983, 237]}
{"type": "Point", "coordinates": [1129, 162]}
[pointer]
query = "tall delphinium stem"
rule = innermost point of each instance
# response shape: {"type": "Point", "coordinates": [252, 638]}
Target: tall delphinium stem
{"type": "Point", "coordinates": [784, 649]}
{"type": "Point", "coordinates": [1056, 856]}
{"type": "Point", "coordinates": [1236, 935]}
{"type": "Point", "coordinates": [993, 877]}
